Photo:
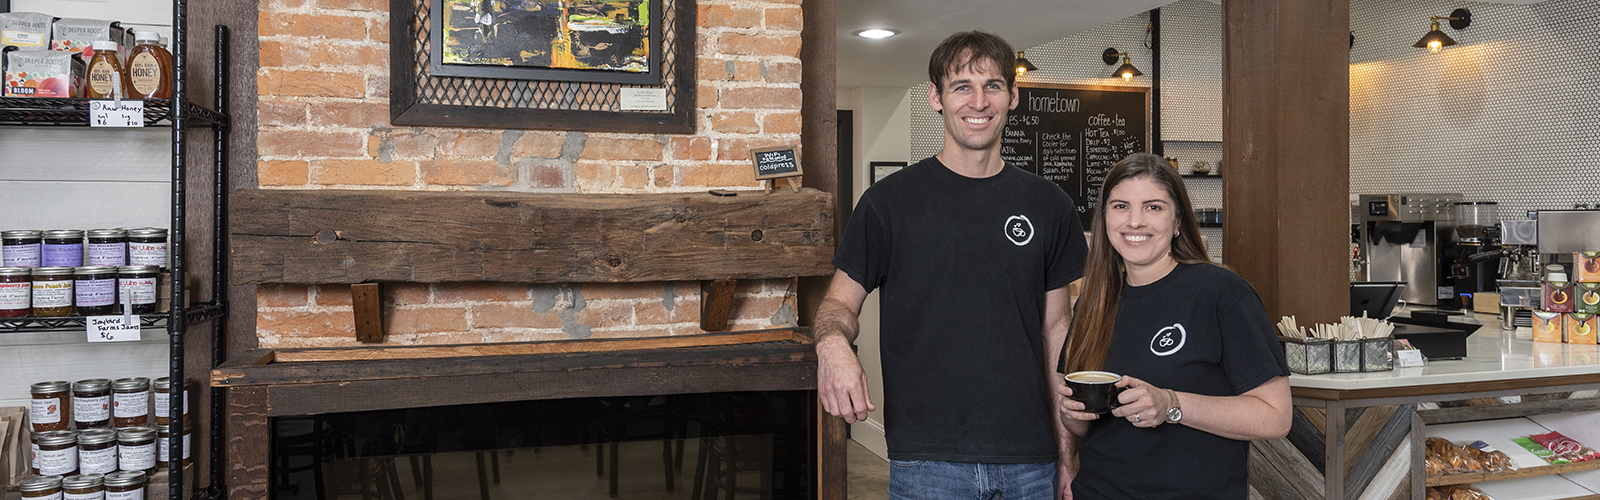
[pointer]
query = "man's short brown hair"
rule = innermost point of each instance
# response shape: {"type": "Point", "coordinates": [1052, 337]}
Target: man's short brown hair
{"type": "Point", "coordinates": [968, 50]}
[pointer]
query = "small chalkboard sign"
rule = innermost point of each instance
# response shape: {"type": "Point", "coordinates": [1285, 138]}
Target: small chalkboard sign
{"type": "Point", "coordinates": [772, 163]}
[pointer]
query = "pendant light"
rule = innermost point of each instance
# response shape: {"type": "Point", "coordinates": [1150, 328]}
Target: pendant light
{"type": "Point", "coordinates": [1126, 71]}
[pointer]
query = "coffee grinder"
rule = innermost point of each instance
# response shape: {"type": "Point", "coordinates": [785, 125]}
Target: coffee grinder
{"type": "Point", "coordinates": [1475, 262]}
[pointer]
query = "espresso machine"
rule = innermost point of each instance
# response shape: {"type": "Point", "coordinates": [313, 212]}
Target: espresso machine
{"type": "Point", "coordinates": [1408, 237]}
{"type": "Point", "coordinates": [1477, 253]}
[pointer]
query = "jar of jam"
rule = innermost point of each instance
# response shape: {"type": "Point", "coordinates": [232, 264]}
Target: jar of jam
{"type": "Point", "coordinates": [97, 451]}
{"type": "Point", "coordinates": [91, 403]}
{"type": "Point", "coordinates": [41, 488]}
{"type": "Point", "coordinates": [20, 248]}
{"type": "Point", "coordinates": [136, 449]}
{"type": "Point", "coordinates": [51, 409]}
{"type": "Point", "coordinates": [125, 485]}
{"type": "Point", "coordinates": [52, 291]}
{"type": "Point", "coordinates": [84, 487]}
{"type": "Point", "coordinates": [62, 247]}
{"type": "Point", "coordinates": [130, 402]}
{"type": "Point", "coordinates": [107, 247]}
{"type": "Point", "coordinates": [161, 388]}
{"type": "Point", "coordinates": [164, 445]}
{"type": "Point", "coordinates": [16, 292]}
{"type": "Point", "coordinates": [136, 287]}
{"type": "Point", "coordinates": [94, 289]}
{"type": "Point", "coordinates": [58, 453]}
{"type": "Point", "coordinates": [33, 440]}
{"type": "Point", "coordinates": [147, 246]}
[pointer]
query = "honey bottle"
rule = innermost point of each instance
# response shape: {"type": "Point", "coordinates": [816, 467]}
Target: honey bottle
{"type": "Point", "coordinates": [149, 68]}
{"type": "Point", "coordinates": [107, 79]}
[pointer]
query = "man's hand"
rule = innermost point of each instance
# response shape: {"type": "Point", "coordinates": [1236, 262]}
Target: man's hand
{"type": "Point", "coordinates": [1064, 477]}
{"type": "Point", "coordinates": [841, 385]}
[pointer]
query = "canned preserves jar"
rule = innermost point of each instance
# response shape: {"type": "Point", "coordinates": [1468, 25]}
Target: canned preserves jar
{"type": "Point", "coordinates": [164, 446]}
{"type": "Point", "coordinates": [52, 291]}
{"type": "Point", "coordinates": [20, 248]}
{"type": "Point", "coordinates": [136, 449]}
{"type": "Point", "coordinates": [16, 292]}
{"type": "Point", "coordinates": [125, 485]}
{"type": "Point", "coordinates": [136, 287]}
{"type": "Point", "coordinates": [161, 388]}
{"type": "Point", "coordinates": [130, 402]}
{"type": "Point", "coordinates": [58, 453]}
{"type": "Point", "coordinates": [107, 247]}
{"type": "Point", "coordinates": [97, 451]}
{"type": "Point", "coordinates": [41, 488]}
{"type": "Point", "coordinates": [147, 246]}
{"type": "Point", "coordinates": [62, 247]}
{"type": "Point", "coordinates": [50, 409]}
{"type": "Point", "coordinates": [33, 439]}
{"type": "Point", "coordinates": [84, 487]}
{"type": "Point", "coordinates": [91, 403]}
{"type": "Point", "coordinates": [94, 290]}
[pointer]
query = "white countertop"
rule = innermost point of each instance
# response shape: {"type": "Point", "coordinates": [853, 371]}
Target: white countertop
{"type": "Point", "coordinates": [1492, 354]}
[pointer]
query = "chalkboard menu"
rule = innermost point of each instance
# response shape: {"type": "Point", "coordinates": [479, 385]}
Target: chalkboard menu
{"type": "Point", "coordinates": [1073, 134]}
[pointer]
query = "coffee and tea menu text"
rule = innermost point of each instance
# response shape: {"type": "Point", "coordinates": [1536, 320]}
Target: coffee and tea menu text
{"type": "Point", "coordinates": [1072, 136]}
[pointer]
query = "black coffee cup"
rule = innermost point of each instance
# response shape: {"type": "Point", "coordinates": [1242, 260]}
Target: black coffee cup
{"type": "Point", "coordinates": [1096, 390]}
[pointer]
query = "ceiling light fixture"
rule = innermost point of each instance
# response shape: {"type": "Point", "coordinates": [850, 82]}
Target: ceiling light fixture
{"type": "Point", "coordinates": [1023, 65]}
{"type": "Point", "coordinates": [1435, 39]}
{"type": "Point", "coordinates": [876, 33]}
{"type": "Point", "coordinates": [1126, 71]}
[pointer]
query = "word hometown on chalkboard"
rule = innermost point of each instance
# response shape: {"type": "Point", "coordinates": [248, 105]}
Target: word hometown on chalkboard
{"type": "Point", "coordinates": [777, 162]}
{"type": "Point", "coordinates": [1073, 134]}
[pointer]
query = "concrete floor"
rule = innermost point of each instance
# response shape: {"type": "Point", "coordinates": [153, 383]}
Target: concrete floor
{"type": "Point", "coordinates": [869, 474]}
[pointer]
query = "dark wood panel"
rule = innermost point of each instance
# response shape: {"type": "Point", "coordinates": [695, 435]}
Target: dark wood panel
{"type": "Point", "coordinates": [1472, 413]}
{"type": "Point", "coordinates": [716, 301]}
{"type": "Point", "coordinates": [1360, 431]}
{"type": "Point", "coordinates": [1279, 472]}
{"type": "Point", "coordinates": [340, 354]}
{"type": "Point", "coordinates": [386, 394]}
{"type": "Point", "coordinates": [337, 236]}
{"type": "Point", "coordinates": [1444, 389]}
{"type": "Point", "coordinates": [247, 446]}
{"type": "Point", "coordinates": [364, 305]}
{"type": "Point", "coordinates": [1306, 436]}
{"type": "Point", "coordinates": [832, 461]}
{"type": "Point", "coordinates": [1377, 451]}
{"type": "Point", "coordinates": [819, 143]}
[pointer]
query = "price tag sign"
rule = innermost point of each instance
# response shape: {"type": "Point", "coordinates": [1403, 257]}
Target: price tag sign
{"type": "Point", "coordinates": [124, 113]}
{"type": "Point", "coordinates": [113, 329]}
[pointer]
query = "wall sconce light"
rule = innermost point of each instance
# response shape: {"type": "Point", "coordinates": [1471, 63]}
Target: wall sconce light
{"type": "Point", "coordinates": [1435, 39]}
{"type": "Point", "coordinates": [1023, 65]}
{"type": "Point", "coordinates": [1126, 71]}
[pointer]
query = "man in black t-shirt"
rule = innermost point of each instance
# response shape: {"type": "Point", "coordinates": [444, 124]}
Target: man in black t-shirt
{"type": "Point", "coordinates": [973, 258]}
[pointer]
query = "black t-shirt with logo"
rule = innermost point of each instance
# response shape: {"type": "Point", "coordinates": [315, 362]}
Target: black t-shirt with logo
{"type": "Point", "coordinates": [962, 266]}
{"type": "Point", "coordinates": [1201, 329]}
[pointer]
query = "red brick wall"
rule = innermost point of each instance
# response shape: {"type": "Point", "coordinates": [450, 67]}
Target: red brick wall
{"type": "Point", "coordinates": [324, 123]}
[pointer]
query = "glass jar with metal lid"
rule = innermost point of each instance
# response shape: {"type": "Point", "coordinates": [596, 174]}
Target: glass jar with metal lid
{"type": "Point", "coordinates": [97, 451]}
{"type": "Point", "coordinates": [84, 487]}
{"type": "Point", "coordinates": [147, 246]}
{"type": "Point", "coordinates": [20, 248]}
{"type": "Point", "coordinates": [164, 445]}
{"type": "Point", "coordinates": [91, 403]}
{"type": "Point", "coordinates": [136, 449]}
{"type": "Point", "coordinates": [51, 408]}
{"type": "Point", "coordinates": [58, 453]}
{"type": "Point", "coordinates": [62, 247]}
{"type": "Point", "coordinates": [125, 485]}
{"type": "Point", "coordinates": [130, 401]}
{"type": "Point", "coordinates": [41, 488]}
{"type": "Point", "coordinates": [162, 387]}
{"type": "Point", "coordinates": [94, 289]}
{"type": "Point", "coordinates": [52, 291]}
{"type": "Point", "coordinates": [16, 292]}
{"type": "Point", "coordinates": [136, 287]}
{"type": "Point", "coordinates": [33, 440]}
{"type": "Point", "coordinates": [107, 247]}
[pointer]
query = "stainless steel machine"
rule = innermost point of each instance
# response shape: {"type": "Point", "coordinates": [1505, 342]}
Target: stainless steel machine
{"type": "Point", "coordinates": [1407, 237]}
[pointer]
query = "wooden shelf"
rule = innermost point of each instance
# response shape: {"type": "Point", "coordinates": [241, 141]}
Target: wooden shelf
{"type": "Point", "coordinates": [1546, 470]}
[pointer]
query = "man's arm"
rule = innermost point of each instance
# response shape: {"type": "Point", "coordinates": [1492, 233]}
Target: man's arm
{"type": "Point", "coordinates": [841, 385]}
{"type": "Point", "coordinates": [1057, 321]}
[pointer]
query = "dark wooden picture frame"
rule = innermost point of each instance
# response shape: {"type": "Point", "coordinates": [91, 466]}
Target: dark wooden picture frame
{"type": "Point", "coordinates": [886, 167]}
{"type": "Point", "coordinates": [794, 154]}
{"type": "Point", "coordinates": [419, 98]}
{"type": "Point", "coordinates": [438, 66]}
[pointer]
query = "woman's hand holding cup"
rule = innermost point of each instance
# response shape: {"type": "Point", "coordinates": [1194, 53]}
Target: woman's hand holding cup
{"type": "Point", "coordinates": [1143, 405]}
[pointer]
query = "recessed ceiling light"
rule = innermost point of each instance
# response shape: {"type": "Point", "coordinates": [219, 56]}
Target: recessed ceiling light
{"type": "Point", "coordinates": [876, 33]}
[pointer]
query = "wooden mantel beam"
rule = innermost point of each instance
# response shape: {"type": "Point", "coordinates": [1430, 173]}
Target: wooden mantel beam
{"type": "Point", "coordinates": [342, 236]}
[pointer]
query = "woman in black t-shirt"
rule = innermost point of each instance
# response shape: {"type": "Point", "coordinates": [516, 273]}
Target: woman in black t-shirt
{"type": "Point", "coordinates": [1198, 357]}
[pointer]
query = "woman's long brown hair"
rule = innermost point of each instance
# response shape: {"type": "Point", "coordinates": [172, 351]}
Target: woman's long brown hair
{"type": "Point", "coordinates": [1096, 316]}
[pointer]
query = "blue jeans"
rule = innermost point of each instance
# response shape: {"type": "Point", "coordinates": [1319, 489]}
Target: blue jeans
{"type": "Point", "coordinates": [928, 480]}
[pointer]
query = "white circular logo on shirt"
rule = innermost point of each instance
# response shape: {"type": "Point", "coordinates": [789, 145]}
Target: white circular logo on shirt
{"type": "Point", "coordinates": [1019, 229]}
{"type": "Point", "coordinates": [1169, 340]}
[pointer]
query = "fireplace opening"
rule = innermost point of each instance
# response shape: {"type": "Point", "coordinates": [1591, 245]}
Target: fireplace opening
{"type": "Point", "coordinates": [680, 446]}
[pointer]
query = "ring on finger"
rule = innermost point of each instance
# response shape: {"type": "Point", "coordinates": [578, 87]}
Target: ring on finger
{"type": "Point", "coordinates": [1137, 418]}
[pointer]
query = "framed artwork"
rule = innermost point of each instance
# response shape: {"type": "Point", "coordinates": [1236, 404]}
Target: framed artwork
{"type": "Point", "coordinates": [589, 65]}
{"type": "Point", "coordinates": [881, 169]}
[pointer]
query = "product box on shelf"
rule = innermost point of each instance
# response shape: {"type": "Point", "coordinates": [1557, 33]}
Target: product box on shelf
{"type": "Point", "coordinates": [25, 30]}
{"type": "Point", "coordinates": [79, 35]}
{"type": "Point", "coordinates": [1588, 300]}
{"type": "Point", "coordinates": [1580, 328]}
{"type": "Point", "coordinates": [1547, 327]}
{"type": "Point", "coordinates": [1586, 267]}
{"type": "Point", "coordinates": [42, 73]}
{"type": "Point", "coordinates": [1558, 296]}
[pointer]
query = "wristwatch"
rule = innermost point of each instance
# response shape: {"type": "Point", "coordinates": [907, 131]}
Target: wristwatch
{"type": "Point", "coordinates": [1174, 414]}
